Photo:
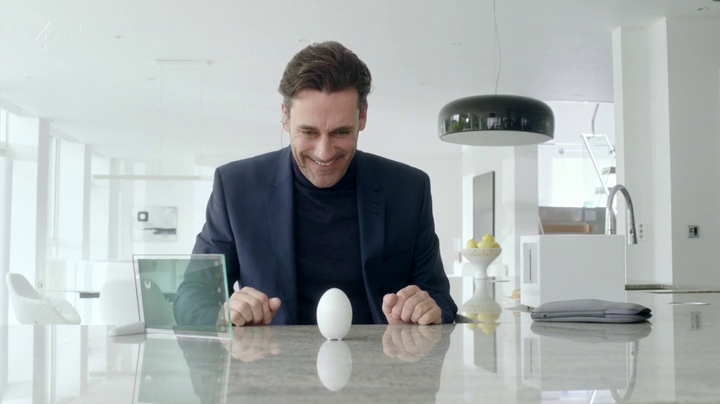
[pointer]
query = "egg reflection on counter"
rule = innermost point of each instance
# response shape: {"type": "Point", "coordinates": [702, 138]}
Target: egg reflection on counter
{"type": "Point", "coordinates": [334, 314]}
{"type": "Point", "coordinates": [334, 365]}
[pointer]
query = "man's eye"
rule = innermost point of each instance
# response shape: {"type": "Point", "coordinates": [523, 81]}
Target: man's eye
{"type": "Point", "coordinates": [343, 132]}
{"type": "Point", "coordinates": [306, 132]}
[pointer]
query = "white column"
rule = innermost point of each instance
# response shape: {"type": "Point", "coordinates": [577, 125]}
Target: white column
{"type": "Point", "coordinates": [87, 189]}
{"type": "Point", "coordinates": [693, 48]}
{"type": "Point", "coordinates": [642, 142]}
{"type": "Point", "coordinates": [526, 211]}
{"type": "Point", "coordinates": [114, 212]}
{"type": "Point", "coordinates": [5, 212]}
{"type": "Point", "coordinates": [127, 201]}
{"type": "Point", "coordinates": [667, 100]}
{"type": "Point", "coordinates": [516, 196]}
{"type": "Point", "coordinates": [43, 184]}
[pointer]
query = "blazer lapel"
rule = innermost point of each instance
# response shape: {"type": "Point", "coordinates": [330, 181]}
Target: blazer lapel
{"type": "Point", "coordinates": [280, 213]}
{"type": "Point", "coordinates": [371, 217]}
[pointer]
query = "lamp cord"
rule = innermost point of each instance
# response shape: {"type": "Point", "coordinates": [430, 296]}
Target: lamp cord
{"type": "Point", "coordinates": [498, 64]}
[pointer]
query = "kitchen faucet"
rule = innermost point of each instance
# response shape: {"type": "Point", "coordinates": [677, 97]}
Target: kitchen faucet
{"type": "Point", "coordinates": [611, 220]}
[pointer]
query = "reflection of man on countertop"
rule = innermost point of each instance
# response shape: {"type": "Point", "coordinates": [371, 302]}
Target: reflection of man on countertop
{"type": "Point", "coordinates": [322, 214]}
{"type": "Point", "coordinates": [277, 365]}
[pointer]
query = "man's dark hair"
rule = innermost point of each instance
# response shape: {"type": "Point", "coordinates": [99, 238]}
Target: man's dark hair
{"type": "Point", "coordinates": [326, 66]}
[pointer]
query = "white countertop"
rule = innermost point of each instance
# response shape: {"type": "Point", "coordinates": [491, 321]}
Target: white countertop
{"type": "Point", "coordinates": [674, 358]}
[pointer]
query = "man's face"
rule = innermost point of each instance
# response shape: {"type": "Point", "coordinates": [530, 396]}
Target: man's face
{"type": "Point", "coordinates": [324, 131]}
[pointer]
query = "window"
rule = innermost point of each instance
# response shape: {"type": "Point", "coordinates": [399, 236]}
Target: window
{"type": "Point", "coordinates": [3, 131]}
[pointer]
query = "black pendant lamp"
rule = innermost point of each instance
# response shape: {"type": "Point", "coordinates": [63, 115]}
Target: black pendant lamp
{"type": "Point", "coordinates": [496, 120]}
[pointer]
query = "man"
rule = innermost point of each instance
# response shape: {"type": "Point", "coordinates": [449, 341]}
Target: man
{"type": "Point", "coordinates": [321, 214]}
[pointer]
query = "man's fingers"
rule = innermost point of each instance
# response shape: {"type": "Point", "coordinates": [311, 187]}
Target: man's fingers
{"type": "Point", "coordinates": [259, 302]}
{"type": "Point", "coordinates": [256, 307]}
{"type": "Point", "coordinates": [410, 304]}
{"type": "Point", "coordinates": [433, 316]}
{"type": "Point", "coordinates": [388, 303]}
{"type": "Point", "coordinates": [397, 308]}
{"type": "Point", "coordinates": [403, 295]}
{"type": "Point", "coordinates": [422, 308]}
{"type": "Point", "coordinates": [236, 318]}
{"type": "Point", "coordinates": [408, 291]}
{"type": "Point", "coordinates": [244, 310]}
{"type": "Point", "coordinates": [240, 313]}
{"type": "Point", "coordinates": [274, 304]}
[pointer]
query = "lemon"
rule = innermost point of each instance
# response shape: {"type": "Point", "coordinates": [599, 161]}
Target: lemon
{"type": "Point", "coordinates": [485, 244]}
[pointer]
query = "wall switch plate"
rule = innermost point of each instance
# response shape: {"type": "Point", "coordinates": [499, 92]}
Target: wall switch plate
{"type": "Point", "coordinates": [693, 231]}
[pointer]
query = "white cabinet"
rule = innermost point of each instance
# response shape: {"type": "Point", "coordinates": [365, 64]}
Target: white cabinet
{"type": "Point", "coordinates": [567, 267]}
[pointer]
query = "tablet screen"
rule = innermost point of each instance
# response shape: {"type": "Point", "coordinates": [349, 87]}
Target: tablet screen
{"type": "Point", "coordinates": [183, 294]}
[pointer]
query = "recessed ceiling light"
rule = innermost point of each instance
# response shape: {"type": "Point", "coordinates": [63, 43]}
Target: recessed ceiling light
{"type": "Point", "coordinates": [302, 40]}
{"type": "Point", "coordinates": [28, 77]}
{"type": "Point", "coordinates": [455, 44]}
{"type": "Point", "coordinates": [119, 36]}
{"type": "Point", "coordinates": [703, 9]}
{"type": "Point", "coordinates": [151, 78]}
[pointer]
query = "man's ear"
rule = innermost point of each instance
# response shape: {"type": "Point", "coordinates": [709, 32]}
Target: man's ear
{"type": "Point", "coordinates": [284, 118]}
{"type": "Point", "coordinates": [363, 117]}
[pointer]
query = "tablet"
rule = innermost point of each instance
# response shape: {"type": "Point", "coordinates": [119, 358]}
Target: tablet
{"type": "Point", "coordinates": [183, 294]}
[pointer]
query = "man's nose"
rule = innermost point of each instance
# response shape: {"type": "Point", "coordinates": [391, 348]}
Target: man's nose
{"type": "Point", "coordinates": [324, 149]}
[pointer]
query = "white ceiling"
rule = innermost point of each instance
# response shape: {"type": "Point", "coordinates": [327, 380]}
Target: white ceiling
{"type": "Point", "coordinates": [106, 91]}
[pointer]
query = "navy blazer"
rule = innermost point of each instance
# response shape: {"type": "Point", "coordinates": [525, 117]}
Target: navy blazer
{"type": "Point", "coordinates": [250, 221]}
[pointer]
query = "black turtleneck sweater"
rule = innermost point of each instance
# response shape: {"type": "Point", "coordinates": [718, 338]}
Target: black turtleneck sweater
{"type": "Point", "coordinates": [327, 245]}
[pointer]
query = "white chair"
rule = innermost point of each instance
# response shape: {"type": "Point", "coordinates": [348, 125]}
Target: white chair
{"type": "Point", "coordinates": [119, 306]}
{"type": "Point", "coordinates": [31, 307]}
{"type": "Point", "coordinates": [118, 302]}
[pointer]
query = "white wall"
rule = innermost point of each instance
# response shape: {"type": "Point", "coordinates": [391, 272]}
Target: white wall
{"type": "Point", "coordinates": [562, 180]}
{"type": "Point", "coordinates": [573, 118]}
{"type": "Point", "coordinates": [654, 255]}
{"type": "Point", "coordinates": [189, 197]}
{"type": "Point", "coordinates": [99, 211]}
{"type": "Point", "coordinates": [70, 199]}
{"type": "Point", "coordinates": [516, 196]}
{"type": "Point", "coordinates": [5, 198]}
{"type": "Point", "coordinates": [640, 87]}
{"type": "Point", "coordinates": [693, 48]}
{"type": "Point", "coordinates": [23, 149]}
{"type": "Point", "coordinates": [565, 171]}
{"type": "Point", "coordinates": [186, 196]}
{"type": "Point", "coordinates": [667, 108]}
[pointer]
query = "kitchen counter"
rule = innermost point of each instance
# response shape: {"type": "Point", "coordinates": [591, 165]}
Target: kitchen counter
{"type": "Point", "coordinates": [673, 358]}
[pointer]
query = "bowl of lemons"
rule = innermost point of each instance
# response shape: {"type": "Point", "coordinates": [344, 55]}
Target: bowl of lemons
{"type": "Point", "coordinates": [481, 254]}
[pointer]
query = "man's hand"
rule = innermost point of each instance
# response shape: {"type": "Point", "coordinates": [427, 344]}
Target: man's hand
{"type": "Point", "coordinates": [249, 306]}
{"type": "Point", "coordinates": [410, 343]}
{"type": "Point", "coordinates": [251, 343]}
{"type": "Point", "coordinates": [411, 306]}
